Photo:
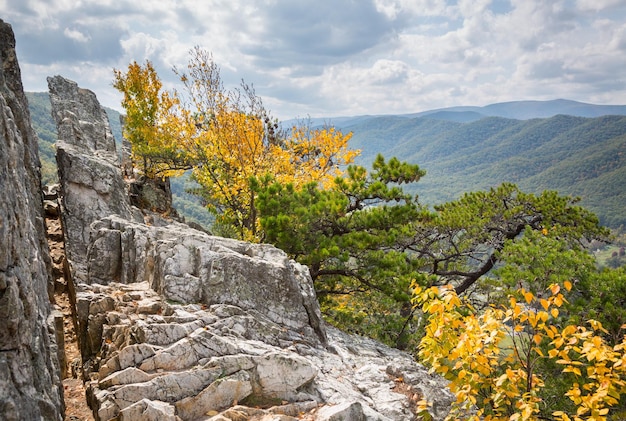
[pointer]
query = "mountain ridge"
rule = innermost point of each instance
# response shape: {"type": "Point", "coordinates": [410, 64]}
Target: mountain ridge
{"type": "Point", "coordinates": [577, 156]}
{"type": "Point", "coordinates": [518, 110]}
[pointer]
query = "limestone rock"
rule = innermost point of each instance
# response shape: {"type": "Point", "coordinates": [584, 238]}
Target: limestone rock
{"type": "Point", "coordinates": [91, 185]}
{"type": "Point", "coordinates": [147, 410]}
{"type": "Point", "coordinates": [30, 383]}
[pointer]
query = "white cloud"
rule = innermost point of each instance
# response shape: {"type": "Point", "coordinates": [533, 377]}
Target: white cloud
{"type": "Point", "coordinates": [76, 35]}
{"type": "Point", "coordinates": [597, 5]}
{"type": "Point", "coordinates": [395, 8]}
{"type": "Point", "coordinates": [328, 57]}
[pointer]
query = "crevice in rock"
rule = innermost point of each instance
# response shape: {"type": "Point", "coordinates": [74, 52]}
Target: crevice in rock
{"type": "Point", "coordinates": [76, 407]}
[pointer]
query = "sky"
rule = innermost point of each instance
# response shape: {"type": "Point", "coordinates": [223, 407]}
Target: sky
{"type": "Point", "coordinates": [328, 58]}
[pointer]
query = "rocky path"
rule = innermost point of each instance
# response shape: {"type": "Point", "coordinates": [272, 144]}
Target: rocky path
{"type": "Point", "coordinates": [76, 408]}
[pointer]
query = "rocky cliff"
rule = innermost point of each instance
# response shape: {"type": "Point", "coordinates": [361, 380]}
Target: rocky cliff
{"type": "Point", "coordinates": [30, 385]}
{"type": "Point", "coordinates": [176, 324]}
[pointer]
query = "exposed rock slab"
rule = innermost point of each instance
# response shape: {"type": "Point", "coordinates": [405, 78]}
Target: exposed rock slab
{"type": "Point", "coordinates": [221, 361]}
{"type": "Point", "coordinates": [189, 266]}
{"type": "Point", "coordinates": [29, 368]}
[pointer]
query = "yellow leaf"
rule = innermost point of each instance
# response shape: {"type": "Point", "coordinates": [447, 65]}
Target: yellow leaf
{"type": "Point", "coordinates": [544, 303]}
{"type": "Point", "coordinates": [554, 312]}
{"type": "Point", "coordinates": [528, 296]}
{"type": "Point", "coordinates": [561, 416]}
{"type": "Point", "coordinates": [567, 285]}
{"type": "Point", "coordinates": [574, 370]}
{"type": "Point", "coordinates": [558, 300]}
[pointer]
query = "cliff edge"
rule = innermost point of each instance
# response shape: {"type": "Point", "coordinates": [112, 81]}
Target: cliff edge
{"type": "Point", "coordinates": [30, 384]}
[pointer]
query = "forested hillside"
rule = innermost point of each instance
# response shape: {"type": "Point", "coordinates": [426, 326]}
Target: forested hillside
{"type": "Point", "coordinates": [577, 156]}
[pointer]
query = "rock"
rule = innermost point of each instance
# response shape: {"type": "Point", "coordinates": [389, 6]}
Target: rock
{"type": "Point", "coordinates": [30, 381]}
{"type": "Point", "coordinates": [188, 266]}
{"type": "Point", "coordinates": [152, 194]}
{"type": "Point", "coordinates": [174, 322]}
{"type": "Point", "coordinates": [349, 411]}
{"type": "Point", "coordinates": [281, 375]}
{"type": "Point", "coordinates": [91, 185]}
{"type": "Point", "coordinates": [147, 410]}
{"type": "Point", "coordinates": [222, 365]}
{"type": "Point", "coordinates": [126, 376]}
{"type": "Point", "coordinates": [51, 208]}
{"type": "Point", "coordinates": [219, 395]}
{"type": "Point", "coordinates": [51, 192]}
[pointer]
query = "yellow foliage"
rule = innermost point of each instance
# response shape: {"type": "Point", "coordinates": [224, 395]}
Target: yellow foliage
{"type": "Point", "coordinates": [225, 136]}
{"type": "Point", "coordinates": [152, 126]}
{"type": "Point", "coordinates": [470, 350]}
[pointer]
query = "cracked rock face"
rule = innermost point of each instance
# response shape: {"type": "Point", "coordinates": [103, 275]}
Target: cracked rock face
{"type": "Point", "coordinates": [187, 266]}
{"type": "Point", "coordinates": [91, 183]}
{"type": "Point", "coordinates": [176, 324]}
{"type": "Point", "coordinates": [30, 384]}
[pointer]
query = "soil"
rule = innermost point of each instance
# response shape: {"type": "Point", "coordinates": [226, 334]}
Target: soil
{"type": "Point", "coordinates": [76, 408]}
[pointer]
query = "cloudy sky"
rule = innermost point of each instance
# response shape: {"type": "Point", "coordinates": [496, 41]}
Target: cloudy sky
{"type": "Point", "coordinates": [324, 58]}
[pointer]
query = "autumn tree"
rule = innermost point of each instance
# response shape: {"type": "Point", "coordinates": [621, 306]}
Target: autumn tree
{"type": "Point", "coordinates": [503, 362]}
{"type": "Point", "coordinates": [151, 123]}
{"type": "Point", "coordinates": [226, 137]}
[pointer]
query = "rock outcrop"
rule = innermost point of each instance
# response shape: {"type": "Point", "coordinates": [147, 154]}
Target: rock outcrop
{"type": "Point", "coordinates": [30, 384]}
{"type": "Point", "coordinates": [222, 362]}
{"type": "Point", "coordinates": [176, 324]}
{"type": "Point", "coordinates": [89, 168]}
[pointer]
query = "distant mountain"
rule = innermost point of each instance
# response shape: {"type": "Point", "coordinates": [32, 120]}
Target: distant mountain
{"type": "Point", "coordinates": [519, 110]}
{"type": "Point", "coordinates": [524, 110]}
{"type": "Point", "coordinates": [577, 156]}
{"type": "Point", "coordinates": [575, 148]}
